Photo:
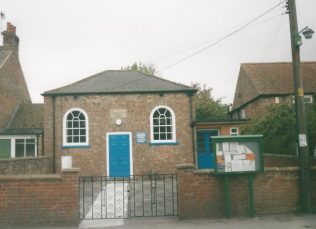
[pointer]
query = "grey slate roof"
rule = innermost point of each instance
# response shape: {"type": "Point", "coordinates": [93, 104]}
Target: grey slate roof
{"type": "Point", "coordinates": [257, 79]}
{"type": "Point", "coordinates": [30, 131]}
{"type": "Point", "coordinates": [118, 82]}
{"type": "Point", "coordinates": [27, 120]}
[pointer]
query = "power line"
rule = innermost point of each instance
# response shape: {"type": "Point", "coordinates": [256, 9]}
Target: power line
{"type": "Point", "coordinates": [208, 46]}
{"type": "Point", "coordinates": [222, 39]}
{"type": "Point", "coordinates": [180, 49]}
{"type": "Point", "coordinates": [273, 38]}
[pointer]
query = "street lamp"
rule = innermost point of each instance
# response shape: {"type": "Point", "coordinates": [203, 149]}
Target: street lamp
{"type": "Point", "coordinates": [303, 150]}
{"type": "Point", "coordinates": [308, 34]}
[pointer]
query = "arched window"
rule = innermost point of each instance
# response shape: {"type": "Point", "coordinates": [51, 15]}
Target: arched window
{"type": "Point", "coordinates": [163, 125]}
{"type": "Point", "coordinates": [75, 128]}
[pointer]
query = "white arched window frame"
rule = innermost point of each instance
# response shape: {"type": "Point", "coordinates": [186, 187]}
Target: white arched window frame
{"type": "Point", "coordinates": [75, 128]}
{"type": "Point", "coordinates": [162, 125]}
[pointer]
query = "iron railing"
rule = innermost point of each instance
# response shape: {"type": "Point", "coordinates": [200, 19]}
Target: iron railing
{"type": "Point", "coordinates": [124, 197]}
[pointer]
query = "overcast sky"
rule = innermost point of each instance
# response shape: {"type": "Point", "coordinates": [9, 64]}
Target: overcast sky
{"type": "Point", "coordinates": [63, 41]}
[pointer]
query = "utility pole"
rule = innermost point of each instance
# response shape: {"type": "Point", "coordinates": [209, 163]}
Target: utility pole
{"type": "Point", "coordinates": [300, 112]}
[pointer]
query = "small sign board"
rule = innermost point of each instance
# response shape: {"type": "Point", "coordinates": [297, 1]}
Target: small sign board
{"type": "Point", "coordinates": [141, 137]}
{"type": "Point", "coordinates": [238, 154]}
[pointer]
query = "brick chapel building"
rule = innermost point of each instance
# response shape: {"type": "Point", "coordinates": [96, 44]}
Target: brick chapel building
{"type": "Point", "coordinates": [120, 123]}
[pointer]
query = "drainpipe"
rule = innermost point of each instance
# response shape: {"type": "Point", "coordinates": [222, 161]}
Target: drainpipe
{"type": "Point", "coordinates": [43, 148]}
{"type": "Point", "coordinates": [54, 134]}
{"type": "Point", "coordinates": [192, 125]}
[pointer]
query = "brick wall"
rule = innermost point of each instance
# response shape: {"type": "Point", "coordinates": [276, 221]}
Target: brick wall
{"type": "Point", "coordinates": [30, 200]}
{"type": "Point", "coordinates": [201, 193]}
{"type": "Point", "coordinates": [23, 166]}
{"type": "Point", "coordinates": [134, 111]}
{"type": "Point", "coordinates": [224, 127]}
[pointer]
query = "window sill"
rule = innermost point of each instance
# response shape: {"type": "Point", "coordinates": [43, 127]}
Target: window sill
{"type": "Point", "coordinates": [163, 143]}
{"type": "Point", "coordinates": [75, 146]}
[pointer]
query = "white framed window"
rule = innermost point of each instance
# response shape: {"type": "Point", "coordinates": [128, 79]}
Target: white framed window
{"type": "Point", "coordinates": [277, 100]}
{"type": "Point", "coordinates": [307, 99]}
{"type": "Point", "coordinates": [18, 146]}
{"type": "Point", "coordinates": [233, 131]}
{"type": "Point", "coordinates": [75, 128]}
{"type": "Point", "coordinates": [162, 125]}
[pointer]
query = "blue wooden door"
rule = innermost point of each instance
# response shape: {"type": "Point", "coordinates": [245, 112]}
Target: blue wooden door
{"type": "Point", "coordinates": [119, 155]}
{"type": "Point", "coordinates": [205, 148]}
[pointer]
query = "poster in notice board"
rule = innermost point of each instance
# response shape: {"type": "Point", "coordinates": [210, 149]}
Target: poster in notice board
{"type": "Point", "coordinates": [238, 154]}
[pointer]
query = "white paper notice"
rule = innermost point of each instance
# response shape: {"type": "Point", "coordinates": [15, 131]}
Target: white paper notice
{"type": "Point", "coordinates": [234, 147]}
{"type": "Point", "coordinates": [237, 166]}
{"type": "Point", "coordinates": [239, 156]}
{"type": "Point", "coordinates": [227, 158]}
{"type": "Point", "coordinates": [302, 140]}
{"type": "Point", "coordinates": [225, 146]}
{"type": "Point", "coordinates": [228, 167]}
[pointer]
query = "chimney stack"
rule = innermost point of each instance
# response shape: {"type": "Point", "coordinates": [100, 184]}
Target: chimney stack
{"type": "Point", "coordinates": [10, 39]}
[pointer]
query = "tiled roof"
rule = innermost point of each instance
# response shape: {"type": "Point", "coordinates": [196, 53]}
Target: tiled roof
{"type": "Point", "coordinates": [257, 79]}
{"type": "Point", "coordinates": [120, 81]}
{"type": "Point", "coordinates": [28, 116]}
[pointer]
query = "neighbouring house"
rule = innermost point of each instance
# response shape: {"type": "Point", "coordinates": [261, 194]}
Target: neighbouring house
{"type": "Point", "coordinates": [262, 84]}
{"type": "Point", "coordinates": [21, 122]}
{"type": "Point", "coordinates": [120, 123]}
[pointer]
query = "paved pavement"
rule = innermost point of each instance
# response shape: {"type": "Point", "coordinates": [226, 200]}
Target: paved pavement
{"type": "Point", "coordinates": [277, 221]}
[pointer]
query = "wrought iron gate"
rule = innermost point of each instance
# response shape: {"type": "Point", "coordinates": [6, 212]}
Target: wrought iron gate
{"type": "Point", "coordinates": [135, 196]}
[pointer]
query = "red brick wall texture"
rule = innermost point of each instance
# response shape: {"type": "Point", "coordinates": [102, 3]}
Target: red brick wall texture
{"type": "Point", "coordinates": [39, 199]}
{"type": "Point", "coordinates": [134, 111]}
{"type": "Point", "coordinates": [201, 195]}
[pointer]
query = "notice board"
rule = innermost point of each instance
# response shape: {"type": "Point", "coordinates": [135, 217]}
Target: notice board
{"type": "Point", "coordinates": [238, 154]}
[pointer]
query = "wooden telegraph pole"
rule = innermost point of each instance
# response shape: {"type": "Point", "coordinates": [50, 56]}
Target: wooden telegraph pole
{"type": "Point", "coordinates": [300, 111]}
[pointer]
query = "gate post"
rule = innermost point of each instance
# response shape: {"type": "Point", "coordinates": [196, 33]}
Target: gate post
{"type": "Point", "coordinates": [183, 171]}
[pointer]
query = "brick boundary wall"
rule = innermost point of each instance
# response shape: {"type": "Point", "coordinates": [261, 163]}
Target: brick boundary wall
{"type": "Point", "coordinates": [201, 193]}
{"type": "Point", "coordinates": [24, 166]}
{"type": "Point", "coordinates": [34, 200]}
{"type": "Point", "coordinates": [279, 160]}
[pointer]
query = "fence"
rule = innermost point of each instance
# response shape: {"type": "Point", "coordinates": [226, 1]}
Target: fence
{"type": "Point", "coordinates": [135, 196]}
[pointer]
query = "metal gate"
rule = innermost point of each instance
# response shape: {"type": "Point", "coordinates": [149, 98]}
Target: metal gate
{"type": "Point", "coordinates": [135, 196]}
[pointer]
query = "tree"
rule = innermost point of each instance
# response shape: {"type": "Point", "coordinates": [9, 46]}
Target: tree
{"type": "Point", "coordinates": [311, 126]}
{"type": "Point", "coordinates": [208, 108]}
{"type": "Point", "coordinates": [147, 69]}
{"type": "Point", "coordinates": [277, 128]}
{"type": "Point", "coordinates": [279, 131]}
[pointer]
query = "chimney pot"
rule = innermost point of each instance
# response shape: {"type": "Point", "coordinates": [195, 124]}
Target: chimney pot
{"type": "Point", "coordinates": [10, 39]}
{"type": "Point", "coordinates": [10, 27]}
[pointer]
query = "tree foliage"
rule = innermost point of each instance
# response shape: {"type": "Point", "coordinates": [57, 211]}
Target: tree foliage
{"type": "Point", "coordinates": [279, 131]}
{"type": "Point", "coordinates": [147, 69]}
{"type": "Point", "coordinates": [311, 126]}
{"type": "Point", "coordinates": [208, 108]}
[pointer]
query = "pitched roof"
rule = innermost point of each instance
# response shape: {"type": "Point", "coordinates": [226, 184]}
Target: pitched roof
{"type": "Point", "coordinates": [27, 120]}
{"type": "Point", "coordinates": [120, 81]}
{"type": "Point", "coordinates": [256, 79]}
{"type": "Point", "coordinates": [4, 54]}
